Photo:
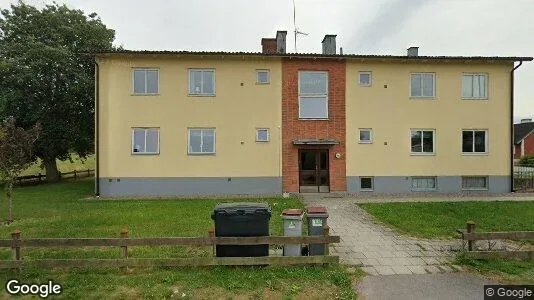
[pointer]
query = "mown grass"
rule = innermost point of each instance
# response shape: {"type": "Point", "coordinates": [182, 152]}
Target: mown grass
{"type": "Point", "coordinates": [64, 166]}
{"type": "Point", "coordinates": [503, 270]}
{"type": "Point", "coordinates": [63, 210]}
{"type": "Point", "coordinates": [441, 219]}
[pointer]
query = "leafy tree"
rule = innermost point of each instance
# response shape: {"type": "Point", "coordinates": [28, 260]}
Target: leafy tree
{"type": "Point", "coordinates": [47, 76]}
{"type": "Point", "coordinates": [16, 155]}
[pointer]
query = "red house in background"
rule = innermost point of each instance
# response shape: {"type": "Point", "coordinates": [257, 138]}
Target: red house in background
{"type": "Point", "coordinates": [523, 138]}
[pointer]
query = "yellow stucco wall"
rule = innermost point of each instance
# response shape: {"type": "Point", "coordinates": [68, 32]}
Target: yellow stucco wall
{"type": "Point", "coordinates": [236, 111]}
{"type": "Point", "coordinates": [391, 114]}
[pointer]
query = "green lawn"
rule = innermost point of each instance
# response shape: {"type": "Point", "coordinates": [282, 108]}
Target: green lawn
{"type": "Point", "coordinates": [506, 271]}
{"type": "Point", "coordinates": [441, 219]}
{"type": "Point", "coordinates": [59, 210]}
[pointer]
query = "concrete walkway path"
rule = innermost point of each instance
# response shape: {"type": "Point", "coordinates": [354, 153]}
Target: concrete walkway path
{"type": "Point", "coordinates": [422, 287]}
{"type": "Point", "coordinates": [376, 248]}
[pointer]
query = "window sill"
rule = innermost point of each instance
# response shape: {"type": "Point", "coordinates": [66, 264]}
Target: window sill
{"type": "Point", "coordinates": [422, 98]}
{"type": "Point", "coordinates": [424, 190]}
{"type": "Point", "coordinates": [144, 153]}
{"type": "Point", "coordinates": [263, 83]}
{"type": "Point", "coordinates": [137, 95]}
{"type": "Point", "coordinates": [475, 154]}
{"type": "Point", "coordinates": [365, 85]}
{"type": "Point", "coordinates": [201, 154]}
{"type": "Point", "coordinates": [262, 142]}
{"type": "Point", "coordinates": [314, 119]}
{"type": "Point", "coordinates": [201, 95]}
{"type": "Point", "coordinates": [475, 99]}
{"type": "Point", "coordinates": [367, 190]}
{"type": "Point", "coordinates": [365, 142]}
{"type": "Point", "coordinates": [422, 154]}
{"type": "Point", "coordinates": [475, 189]}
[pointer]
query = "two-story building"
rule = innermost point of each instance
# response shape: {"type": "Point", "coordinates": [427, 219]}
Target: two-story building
{"type": "Point", "coordinates": [223, 123]}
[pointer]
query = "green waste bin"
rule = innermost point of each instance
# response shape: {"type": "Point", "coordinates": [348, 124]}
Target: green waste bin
{"type": "Point", "coordinates": [292, 219]}
{"type": "Point", "coordinates": [317, 216]}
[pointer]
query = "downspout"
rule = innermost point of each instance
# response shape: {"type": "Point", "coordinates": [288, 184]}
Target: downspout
{"type": "Point", "coordinates": [512, 125]}
{"type": "Point", "coordinates": [97, 130]}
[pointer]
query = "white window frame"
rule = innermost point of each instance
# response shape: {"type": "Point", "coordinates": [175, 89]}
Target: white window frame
{"type": "Point", "coordinates": [372, 184]}
{"type": "Point", "coordinates": [146, 129]}
{"type": "Point", "coordinates": [486, 144]}
{"type": "Point", "coordinates": [146, 85]}
{"type": "Point", "coordinates": [370, 78]}
{"type": "Point", "coordinates": [370, 141]}
{"type": "Point", "coordinates": [258, 136]}
{"type": "Point", "coordinates": [435, 178]}
{"type": "Point", "coordinates": [258, 71]}
{"type": "Point", "coordinates": [486, 86]}
{"type": "Point", "coordinates": [433, 141]}
{"type": "Point", "coordinates": [313, 95]}
{"type": "Point", "coordinates": [474, 188]}
{"type": "Point", "coordinates": [433, 86]}
{"type": "Point", "coordinates": [201, 140]}
{"type": "Point", "coordinates": [201, 94]}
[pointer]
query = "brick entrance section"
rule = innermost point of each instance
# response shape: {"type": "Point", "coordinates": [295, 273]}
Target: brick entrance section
{"type": "Point", "coordinates": [293, 128]}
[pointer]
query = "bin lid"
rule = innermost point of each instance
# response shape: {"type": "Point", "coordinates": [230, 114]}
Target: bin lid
{"type": "Point", "coordinates": [292, 212]}
{"type": "Point", "coordinates": [316, 210]}
{"type": "Point", "coordinates": [241, 208]}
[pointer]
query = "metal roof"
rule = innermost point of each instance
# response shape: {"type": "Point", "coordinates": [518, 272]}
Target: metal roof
{"type": "Point", "coordinates": [312, 55]}
{"type": "Point", "coordinates": [522, 130]}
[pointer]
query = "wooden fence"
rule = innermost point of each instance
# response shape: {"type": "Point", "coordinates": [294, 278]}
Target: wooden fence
{"type": "Point", "coordinates": [123, 242]}
{"type": "Point", "coordinates": [470, 235]}
{"type": "Point", "coordinates": [39, 178]}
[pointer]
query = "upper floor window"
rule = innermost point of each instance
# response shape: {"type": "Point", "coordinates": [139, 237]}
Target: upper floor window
{"type": "Point", "coordinates": [202, 82]}
{"type": "Point", "coordinates": [422, 85]}
{"type": "Point", "coordinates": [313, 95]}
{"type": "Point", "coordinates": [262, 77]}
{"type": "Point", "coordinates": [145, 140]}
{"type": "Point", "coordinates": [475, 86]}
{"type": "Point", "coordinates": [262, 135]}
{"type": "Point", "coordinates": [474, 141]}
{"type": "Point", "coordinates": [145, 81]}
{"type": "Point", "coordinates": [201, 141]}
{"type": "Point", "coordinates": [422, 141]}
{"type": "Point", "coordinates": [364, 78]}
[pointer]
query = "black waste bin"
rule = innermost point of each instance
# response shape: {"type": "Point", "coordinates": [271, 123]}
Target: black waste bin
{"type": "Point", "coordinates": [241, 219]}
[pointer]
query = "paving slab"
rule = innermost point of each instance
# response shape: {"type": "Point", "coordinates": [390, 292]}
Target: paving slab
{"type": "Point", "coordinates": [422, 287]}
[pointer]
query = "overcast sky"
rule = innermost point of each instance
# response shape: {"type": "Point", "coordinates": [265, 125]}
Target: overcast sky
{"type": "Point", "coordinates": [438, 27]}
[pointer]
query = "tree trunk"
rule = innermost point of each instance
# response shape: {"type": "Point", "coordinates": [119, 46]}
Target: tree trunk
{"type": "Point", "coordinates": [52, 174]}
{"type": "Point", "coordinates": [9, 194]}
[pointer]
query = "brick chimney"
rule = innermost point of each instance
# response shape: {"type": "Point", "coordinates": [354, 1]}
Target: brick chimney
{"type": "Point", "coordinates": [329, 44]}
{"type": "Point", "coordinates": [281, 41]}
{"type": "Point", "coordinates": [268, 46]}
{"type": "Point", "coordinates": [413, 51]}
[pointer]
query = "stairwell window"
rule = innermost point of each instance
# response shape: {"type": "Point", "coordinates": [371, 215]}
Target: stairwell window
{"type": "Point", "coordinates": [201, 141]}
{"type": "Point", "coordinates": [145, 81]}
{"type": "Point", "coordinates": [422, 85]}
{"type": "Point", "coordinates": [474, 141]}
{"type": "Point", "coordinates": [145, 140]}
{"type": "Point", "coordinates": [422, 141]}
{"type": "Point", "coordinates": [475, 86]}
{"type": "Point", "coordinates": [364, 78]}
{"type": "Point", "coordinates": [201, 82]}
{"type": "Point", "coordinates": [313, 95]}
{"type": "Point", "coordinates": [263, 77]}
{"type": "Point", "coordinates": [365, 136]}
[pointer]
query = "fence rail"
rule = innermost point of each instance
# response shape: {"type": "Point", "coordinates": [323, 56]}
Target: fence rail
{"type": "Point", "coordinates": [38, 178]}
{"type": "Point", "coordinates": [16, 243]}
{"type": "Point", "coordinates": [470, 235]}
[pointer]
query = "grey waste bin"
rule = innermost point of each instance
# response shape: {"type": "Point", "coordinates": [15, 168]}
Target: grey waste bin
{"type": "Point", "coordinates": [292, 219]}
{"type": "Point", "coordinates": [317, 216]}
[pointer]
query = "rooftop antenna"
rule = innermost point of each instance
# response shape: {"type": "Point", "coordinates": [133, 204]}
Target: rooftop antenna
{"type": "Point", "coordinates": [296, 31]}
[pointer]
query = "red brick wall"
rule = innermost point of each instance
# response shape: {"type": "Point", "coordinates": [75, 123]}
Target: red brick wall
{"type": "Point", "coordinates": [529, 147]}
{"type": "Point", "coordinates": [517, 154]}
{"type": "Point", "coordinates": [293, 128]}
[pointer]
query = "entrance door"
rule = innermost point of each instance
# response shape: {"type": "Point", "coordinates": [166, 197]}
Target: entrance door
{"type": "Point", "coordinates": [313, 171]}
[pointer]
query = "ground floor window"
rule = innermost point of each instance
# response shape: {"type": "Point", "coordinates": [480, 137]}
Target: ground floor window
{"type": "Point", "coordinates": [366, 183]}
{"type": "Point", "coordinates": [474, 182]}
{"type": "Point", "coordinates": [423, 183]}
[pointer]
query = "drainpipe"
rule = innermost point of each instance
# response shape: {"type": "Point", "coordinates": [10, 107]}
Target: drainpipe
{"type": "Point", "coordinates": [97, 135]}
{"type": "Point", "coordinates": [512, 125]}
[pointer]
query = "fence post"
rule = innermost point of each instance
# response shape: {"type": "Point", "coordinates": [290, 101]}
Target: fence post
{"type": "Point", "coordinates": [88, 173]}
{"type": "Point", "coordinates": [74, 173]}
{"type": "Point", "coordinates": [326, 232]}
{"type": "Point", "coordinates": [211, 233]}
{"type": "Point", "coordinates": [471, 227]}
{"type": "Point", "coordinates": [124, 248]}
{"type": "Point", "coordinates": [40, 177]}
{"type": "Point", "coordinates": [15, 248]}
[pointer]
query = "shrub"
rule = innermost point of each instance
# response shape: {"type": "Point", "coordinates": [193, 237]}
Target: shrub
{"type": "Point", "coordinates": [527, 161]}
